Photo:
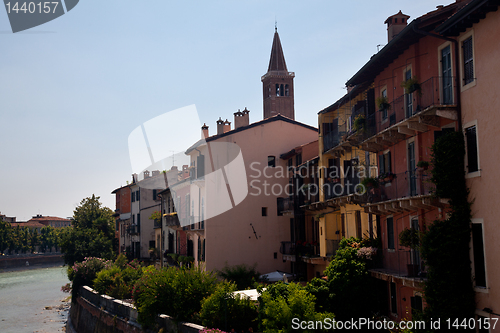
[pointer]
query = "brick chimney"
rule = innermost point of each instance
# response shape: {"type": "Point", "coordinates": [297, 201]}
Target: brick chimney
{"type": "Point", "coordinates": [155, 173]}
{"type": "Point", "coordinates": [146, 174]}
{"type": "Point", "coordinates": [220, 126]}
{"type": "Point", "coordinates": [395, 24]}
{"type": "Point", "coordinates": [241, 118]}
{"type": "Point", "coordinates": [204, 131]}
{"type": "Point", "coordinates": [135, 178]}
{"type": "Point", "coordinates": [227, 126]}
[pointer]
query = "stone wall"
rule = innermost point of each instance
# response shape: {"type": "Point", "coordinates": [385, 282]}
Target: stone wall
{"type": "Point", "coordinates": [94, 313]}
{"type": "Point", "coordinates": [33, 260]}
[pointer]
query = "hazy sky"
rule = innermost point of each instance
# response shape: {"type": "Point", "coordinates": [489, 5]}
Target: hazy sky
{"type": "Point", "coordinates": [73, 89]}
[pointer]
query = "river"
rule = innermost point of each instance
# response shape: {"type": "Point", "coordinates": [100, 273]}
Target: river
{"type": "Point", "coordinates": [31, 300]}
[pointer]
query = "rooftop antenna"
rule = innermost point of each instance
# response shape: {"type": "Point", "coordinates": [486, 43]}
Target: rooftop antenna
{"type": "Point", "coordinates": [275, 24]}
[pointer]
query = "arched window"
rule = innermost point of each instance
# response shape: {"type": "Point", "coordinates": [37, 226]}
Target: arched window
{"type": "Point", "coordinates": [287, 90]}
{"type": "Point", "coordinates": [282, 91]}
{"type": "Point", "coordinates": [277, 89]}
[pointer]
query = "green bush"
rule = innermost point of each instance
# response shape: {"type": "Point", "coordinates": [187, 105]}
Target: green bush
{"type": "Point", "coordinates": [172, 291]}
{"type": "Point", "coordinates": [118, 280]}
{"type": "Point", "coordinates": [281, 302]}
{"type": "Point", "coordinates": [244, 276]}
{"type": "Point", "coordinates": [83, 273]}
{"type": "Point", "coordinates": [225, 310]}
{"type": "Point", "coordinates": [350, 285]}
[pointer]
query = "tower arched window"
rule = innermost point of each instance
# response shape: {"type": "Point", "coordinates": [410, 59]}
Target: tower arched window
{"type": "Point", "coordinates": [282, 91]}
{"type": "Point", "coordinates": [277, 89]}
{"type": "Point", "coordinates": [287, 90]}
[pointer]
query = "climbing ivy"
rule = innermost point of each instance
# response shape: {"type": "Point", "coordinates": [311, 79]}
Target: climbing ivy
{"type": "Point", "coordinates": [449, 290]}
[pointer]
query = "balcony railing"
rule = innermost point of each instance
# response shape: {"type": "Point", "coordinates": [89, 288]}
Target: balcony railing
{"type": "Point", "coordinates": [133, 229]}
{"type": "Point", "coordinates": [401, 185]}
{"type": "Point", "coordinates": [172, 221]}
{"type": "Point", "coordinates": [402, 263]}
{"type": "Point", "coordinates": [299, 249]}
{"type": "Point", "coordinates": [406, 106]}
{"type": "Point", "coordinates": [157, 224]}
{"type": "Point", "coordinates": [331, 247]}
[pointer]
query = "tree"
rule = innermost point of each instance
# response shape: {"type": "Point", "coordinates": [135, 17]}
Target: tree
{"type": "Point", "coordinates": [5, 234]}
{"type": "Point", "coordinates": [92, 232]}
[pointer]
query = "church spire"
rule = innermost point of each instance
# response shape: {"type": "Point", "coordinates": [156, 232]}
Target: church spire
{"type": "Point", "coordinates": [277, 83]}
{"type": "Point", "coordinates": [277, 60]}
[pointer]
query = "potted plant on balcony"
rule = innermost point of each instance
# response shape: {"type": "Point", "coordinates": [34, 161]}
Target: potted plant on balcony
{"type": "Point", "coordinates": [412, 85]}
{"type": "Point", "coordinates": [387, 177]}
{"type": "Point", "coordinates": [370, 182]}
{"type": "Point", "coordinates": [424, 165]}
{"type": "Point", "coordinates": [359, 122]}
{"type": "Point", "coordinates": [410, 238]}
{"type": "Point", "coordinates": [383, 103]}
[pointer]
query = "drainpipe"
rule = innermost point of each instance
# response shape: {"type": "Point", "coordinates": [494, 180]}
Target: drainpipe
{"type": "Point", "coordinates": [457, 68]}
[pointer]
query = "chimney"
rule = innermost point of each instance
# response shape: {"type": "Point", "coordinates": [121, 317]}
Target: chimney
{"type": "Point", "coordinates": [134, 178]}
{"type": "Point", "coordinates": [220, 126]}
{"type": "Point", "coordinates": [241, 118]}
{"type": "Point", "coordinates": [395, 24]}
{"type": "Point", "coordinates": [204, 131]}
{"type": "Point", "coordinates": [155, 173]}
{"type": "Point", "coordinates": [146, 174]}
{"type": "Point", "coordinates": [227, 126]}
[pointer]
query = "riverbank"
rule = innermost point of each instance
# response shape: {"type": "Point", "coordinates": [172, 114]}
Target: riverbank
{"type": "Point", "coordinates": [17, 263]}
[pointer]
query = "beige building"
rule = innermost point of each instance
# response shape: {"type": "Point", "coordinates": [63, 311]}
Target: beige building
{"type": "Point", "coordinates": [476, 28]}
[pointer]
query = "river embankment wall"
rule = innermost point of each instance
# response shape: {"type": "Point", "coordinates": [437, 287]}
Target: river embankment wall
{"type": "Point", "coordinates": [94, 313]}
{"type": "Point", "coordinates": [34, 261]}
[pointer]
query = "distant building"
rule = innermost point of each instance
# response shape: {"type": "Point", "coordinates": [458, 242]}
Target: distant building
{"type": "Point", "coordinates": [51, 221]}
{"type": "Point", "coordinates": [7, 219]}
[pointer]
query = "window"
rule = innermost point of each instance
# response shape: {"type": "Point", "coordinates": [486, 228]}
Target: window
{"type": "Point", "coordinates": [416, 304]}
{"type": "Point", "coordinates": [264, 211]}
{"type": "Point", "coordinates": [390, 233]}
{"type": "Point", "coordinates": [471, 143]}
{"type": "Point", "coordinates": [358, 225]}
{"type": "Point", "coordinates": [155, 194]}
{"type": "Point", "coordinates": [385, 163]}
{"type": "Point", "coordinates": [271, 161]}
{"type": "Point", "coordinates": [384, 110]}
{"type": "Point", "coordinates": [478, 255]}
{"type": "Point", "coordinates": [133, 196]}
{"type": "Point", "coordinates": [277, 89]}
{"type": "Point", "coordinates": [200, 166]}
{"type": "Point", "coordinates": [137, 196]}
{"type": "Point", "coordinates": [394, 303]}
{"type": "Point", "coordinates": [287, 90]}
{"type": "Point", "coordinates": [468, 61]}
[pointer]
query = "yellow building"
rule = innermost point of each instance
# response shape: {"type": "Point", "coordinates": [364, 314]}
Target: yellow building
{"type": "Point", "coordinates": [343, 166]}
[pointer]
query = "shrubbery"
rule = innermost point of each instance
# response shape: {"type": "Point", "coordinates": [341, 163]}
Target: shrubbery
{"type": "Point", "coordinates": [83, 273]}
{"type": "Point", "coordinates": [244, 276]}
{"type": "Point", "coordinates": [282, 302]}
{"type": "Point", "coordinates": [173, 291]}
{"type": "Point", "coordinates": [119, 279]}
{"type": "Point", "coordinates": [350, 287]}
{"type": "Point", "coordinates": [224, 309]}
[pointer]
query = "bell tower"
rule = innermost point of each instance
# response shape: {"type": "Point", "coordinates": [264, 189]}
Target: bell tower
{"type": "Point", "coordinates": [277, 84]}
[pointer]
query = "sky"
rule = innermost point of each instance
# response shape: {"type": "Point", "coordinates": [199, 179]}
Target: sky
{"type": "Point", "coordinates": [73, 89]}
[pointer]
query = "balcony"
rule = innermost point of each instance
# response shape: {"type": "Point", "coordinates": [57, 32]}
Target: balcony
{"type": "Point", "coordinates": [331, 247]}
{"type": "Point", "coordinates": [157, 224]}
{"type": "Point", "coordinates": [407, 115]}
{"type": "Point", "coordinates": [285, 206]}
{"type": "Point", "coordinates": [172, 220]}
{"type": "Point", "coordinates": [400, 264]}
{"type": "Point", "coordinates": [402, 192]}
{"type": "Point", "coordinates": [133, 229]}
{"type": "Point", "coordinates": [303, 250]}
